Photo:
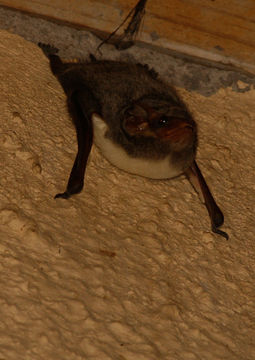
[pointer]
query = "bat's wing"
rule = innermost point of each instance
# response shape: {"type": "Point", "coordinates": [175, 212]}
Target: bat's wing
{"type": "Point", "coordinates": [197, 180]}
{"type": "Point", "coordinates": [81, 104]}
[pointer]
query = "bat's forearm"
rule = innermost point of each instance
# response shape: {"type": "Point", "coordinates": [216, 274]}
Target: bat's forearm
{"type": "Point", "coordinates": [198, 182]}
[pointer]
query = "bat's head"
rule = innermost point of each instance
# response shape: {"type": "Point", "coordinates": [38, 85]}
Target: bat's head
{"type": "Point", "coordinates": [172, 125]}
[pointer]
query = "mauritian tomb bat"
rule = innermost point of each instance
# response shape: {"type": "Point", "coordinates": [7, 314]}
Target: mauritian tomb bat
{"type": "Point", "coordinates": [137, 120]}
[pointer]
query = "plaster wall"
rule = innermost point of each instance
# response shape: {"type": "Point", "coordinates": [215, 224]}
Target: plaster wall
{"type": "Point", "coordinates": [128, 269]}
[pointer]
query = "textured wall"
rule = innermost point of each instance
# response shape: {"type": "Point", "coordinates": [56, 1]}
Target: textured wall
{"type": "Point", "coordinates": [128, 269]}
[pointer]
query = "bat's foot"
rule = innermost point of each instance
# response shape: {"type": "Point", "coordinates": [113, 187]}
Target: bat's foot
{"type": "Point", "coordinates": [74, 187]}
{"type": "Point", "coordinates": [123, 45]}
{"type": "Point", "coordinates": [48, 49]}
{"type": "Point", "coordinates": [64, 195]}
{"type": "Point", "coordinates": [217, 217]}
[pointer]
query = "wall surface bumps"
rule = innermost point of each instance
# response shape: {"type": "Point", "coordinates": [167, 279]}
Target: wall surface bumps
{"type": "Point", "coordinates": [129, 268]}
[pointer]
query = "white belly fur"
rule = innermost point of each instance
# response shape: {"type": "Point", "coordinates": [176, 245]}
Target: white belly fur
{"type": "Point", "coordinates": [160, 169]}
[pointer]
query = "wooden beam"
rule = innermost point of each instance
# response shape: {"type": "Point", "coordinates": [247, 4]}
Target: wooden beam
{"type": "Point", "coordinates": [222, 31]}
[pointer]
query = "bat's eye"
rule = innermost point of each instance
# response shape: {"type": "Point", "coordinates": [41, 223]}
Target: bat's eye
{"type": "Point", "coordinates": [164, 121]}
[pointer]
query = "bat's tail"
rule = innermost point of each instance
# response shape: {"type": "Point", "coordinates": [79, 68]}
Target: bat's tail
{"type": "Point", "coordinates": [56, 63]}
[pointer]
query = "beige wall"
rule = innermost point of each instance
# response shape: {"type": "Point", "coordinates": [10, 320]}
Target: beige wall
{"type": "Point", "coordinates": [128, 269]}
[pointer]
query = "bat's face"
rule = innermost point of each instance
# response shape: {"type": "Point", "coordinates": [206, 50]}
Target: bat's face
{"type": "Point", "coordinates": [173, 126]}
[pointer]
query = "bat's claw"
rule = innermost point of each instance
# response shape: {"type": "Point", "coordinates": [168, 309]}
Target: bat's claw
{"type": "Point", "coordinates": [64, 195]}
{"type": "Point", "coordinates": [220, 232]}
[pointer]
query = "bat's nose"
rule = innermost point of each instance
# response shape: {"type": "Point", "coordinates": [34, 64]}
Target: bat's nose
{"type": "Point", "coordinates": [181, 134]}
{"type": "Point", "coordinates": [179, 131]}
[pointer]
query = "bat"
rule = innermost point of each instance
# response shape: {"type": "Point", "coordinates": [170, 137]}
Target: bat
{"type": "Point", "coordinates": [136, 119]}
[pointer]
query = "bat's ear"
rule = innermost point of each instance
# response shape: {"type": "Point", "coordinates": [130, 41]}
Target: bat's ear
{"type": "Point", "coordinates": [135, 122]}
{"type": "Point", "coordinates": [138, 111]}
